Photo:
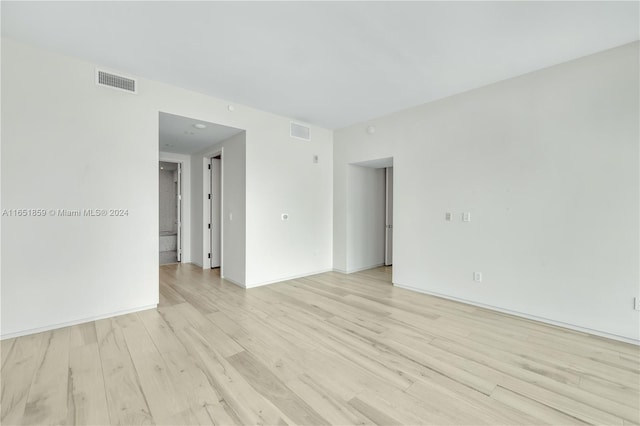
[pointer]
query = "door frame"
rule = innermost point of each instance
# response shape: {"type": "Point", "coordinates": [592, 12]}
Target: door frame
{"type": "Point", "coordinates": [388, 233]}
{"type": "Point", "coordinates": [206, 209]}
{"type": "Point", "coordinates": [185, 181]}
{"type": "Point", "coordinates": [215, 213]}
{"type": "Point", "coordinates": [178, 183]}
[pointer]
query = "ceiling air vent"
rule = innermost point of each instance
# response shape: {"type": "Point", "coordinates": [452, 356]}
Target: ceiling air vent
{"type": "Point", "coordinates": [299, 131]}
{"type": "Point", "coordinates": [107, 79]}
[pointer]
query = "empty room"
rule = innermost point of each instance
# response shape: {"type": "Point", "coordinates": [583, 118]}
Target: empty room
{"type": "Point", "coordinates": [320, 213]}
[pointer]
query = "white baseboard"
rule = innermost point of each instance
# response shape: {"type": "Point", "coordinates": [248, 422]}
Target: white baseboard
{"type": "Point", "coordinates": [527, 316]}
{"type": "Point", "coordinates": [351, 271]}
{"type": "Point", "coordinates": [293, 277]}
{"type": "Point", "coordinates": [75, 322]}
{"type": "Point", "coordinates": [234, 282]}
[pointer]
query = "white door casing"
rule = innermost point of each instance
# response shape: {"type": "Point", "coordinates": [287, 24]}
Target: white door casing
{"type": "Point", "coordinates": [215, 222]}
{"type": "Point", "coordinates": [179, 212]}
{"type": "Point", "coordinates": [388, 249]}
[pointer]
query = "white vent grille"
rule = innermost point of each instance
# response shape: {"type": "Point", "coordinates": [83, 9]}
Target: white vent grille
{"type": "Point", "coordinates": [107, 79]}
{"type": "Point", "coordinates": [299, 131]}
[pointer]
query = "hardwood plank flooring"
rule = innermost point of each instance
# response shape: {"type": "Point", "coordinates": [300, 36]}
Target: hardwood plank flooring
{"type": "Point", "coordinates": [86, 398]}
{"type": "Point", "coordinates": [47, 400]}
{"type": "Point", "coordinates": [326, 349]}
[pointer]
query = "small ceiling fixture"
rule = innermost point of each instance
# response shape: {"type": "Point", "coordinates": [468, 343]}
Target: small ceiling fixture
{"type": "Point", "coordinates": [200, 126]}
{"type": "Point", "coordinates": [371, 130]}
{"type": "Point", "coordinates": [231, 108]}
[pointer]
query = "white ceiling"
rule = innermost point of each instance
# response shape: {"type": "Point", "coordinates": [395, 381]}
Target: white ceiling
{"type": "Point", "coordinates": [178, 134]}
{"type": "Point", "coordinates": [326, 63]}
{"type": "Point", "coordinates": [376, 164]}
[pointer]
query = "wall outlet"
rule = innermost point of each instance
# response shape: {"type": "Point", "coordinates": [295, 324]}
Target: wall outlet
{"type": "Point", "coordinates": [477, 277]}
{"type": "Point", "coordinates": [448, 216]}
{"type": "Point", "coordinates": [636, 303]}
{"type": "Point", "coordinates": [466, 217]}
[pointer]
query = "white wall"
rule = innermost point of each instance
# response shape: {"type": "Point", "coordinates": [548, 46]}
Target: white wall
{"type": "Point", "coordinates": [70, 145]}
{"type": "Point", "coordinates": [547, 164]}
{"type": "Point", "coordinates": [233, 217]}
{"type": "Point", "coordinates": [61, 137]}
{"type": "Point", "coordinates": [282, 178]}
{"type": "Point", "coordinates": [340, 183]}
{"type": "Point", "coordinates": [365, 218]}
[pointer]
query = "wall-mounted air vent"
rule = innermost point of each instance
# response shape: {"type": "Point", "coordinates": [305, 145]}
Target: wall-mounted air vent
{"type": "Point", "coordinates": [108, 79]}
{"type": "Point", "coordinates": [299, 131]}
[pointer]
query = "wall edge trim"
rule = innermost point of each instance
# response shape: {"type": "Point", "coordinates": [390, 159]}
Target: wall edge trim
{"type": "Point", "coordinates": [76, 322]}
{"type": "Point", "coordinates": [543, 320]}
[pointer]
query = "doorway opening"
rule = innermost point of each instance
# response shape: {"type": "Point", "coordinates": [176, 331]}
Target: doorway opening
{"type": "Point", "coordinates": [198, 144]}
{"type": "Point", "coordinates": [170, 207]}
{"type": "Point", "coordinates": [370, 218]}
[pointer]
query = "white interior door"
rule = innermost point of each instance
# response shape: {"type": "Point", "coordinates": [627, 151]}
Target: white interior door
{"type": "Point", "coordinates": [388, 251]}
{"type": "Point", "coordinates": [216, 198]}
{"type": "Point", "coordinates": [179, 212]}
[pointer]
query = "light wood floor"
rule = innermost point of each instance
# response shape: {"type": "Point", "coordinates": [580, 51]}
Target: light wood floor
{"type": "Point", "coordinates": [327, 349]}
